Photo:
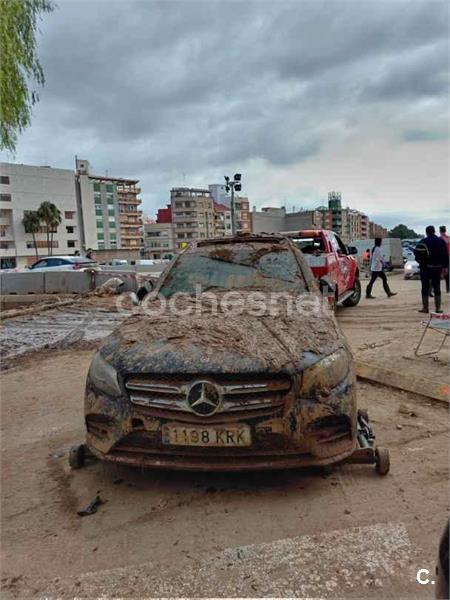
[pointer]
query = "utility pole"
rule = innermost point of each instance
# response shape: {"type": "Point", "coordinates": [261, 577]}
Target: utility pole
{"type": "Point", "coordinates": [233, 185]}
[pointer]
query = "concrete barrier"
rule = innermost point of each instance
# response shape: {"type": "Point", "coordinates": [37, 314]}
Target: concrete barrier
{"type": "Point", "coordinates": [67, 282]}
{"type": "Point", "coordinates": [22, 283]}
{"type": "Point", "coordinates": [72, 282]}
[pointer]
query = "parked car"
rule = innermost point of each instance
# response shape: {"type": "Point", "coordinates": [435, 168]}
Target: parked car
{"type": "Point", "coordinates": [330, 261]}
{"type": "Point", "coordinates": [63, 263]}
{"type": "Point", "coordinates": [210, 390]}
{"type": "Point", "coordinates": [119, 262]}
{"type": "Point", "coordinates": [408, 254]}
{"type": "Point", "coordinates": [411, 270]}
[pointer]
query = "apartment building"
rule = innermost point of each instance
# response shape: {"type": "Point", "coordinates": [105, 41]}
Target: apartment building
{"type": "Point", "coordinates": [348, 223]}
{"type": "Point", "coordinates": [222, 219]}
{"type": "Point", "coordinates": [109, 210]}
{"type": "Point", "coordinates": [159, 240]}
{"type": "Point", "coordinates": [272, 220]}
{"type": "Point", "coordinates": [376, 230]}
{"type": "Point", "coordinates": [192, 215]}
{"type": "Point", "coordinates": [242, 218]}
{"type": "Point", "coordinates": [23, 188]}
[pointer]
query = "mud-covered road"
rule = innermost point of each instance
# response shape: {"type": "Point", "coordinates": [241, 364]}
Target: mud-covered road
{"type": "Point", "coordinates": [346, 534]}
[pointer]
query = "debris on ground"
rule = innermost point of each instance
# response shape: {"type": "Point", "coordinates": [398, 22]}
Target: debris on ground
{"type": "Point", "coordinates": [404, 409]}
{"type": "Point", "coordinates": [91, 508]}
{"type": "Point", "coordinates": [111, 287]}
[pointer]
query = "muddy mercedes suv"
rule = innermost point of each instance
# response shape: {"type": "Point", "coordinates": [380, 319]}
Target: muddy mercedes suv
{"type": "Point", "coordinates": [233, 362]}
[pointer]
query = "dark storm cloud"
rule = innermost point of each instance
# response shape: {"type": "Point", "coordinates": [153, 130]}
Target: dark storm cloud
{"type": "Point", "coordinates": [154, 89]}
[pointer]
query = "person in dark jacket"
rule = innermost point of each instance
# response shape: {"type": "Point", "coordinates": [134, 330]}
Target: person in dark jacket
{"type": "Point", "coordinates": [432, 255]}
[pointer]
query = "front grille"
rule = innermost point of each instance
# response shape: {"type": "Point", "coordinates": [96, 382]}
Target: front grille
{"type": "Point", "coordinates": [238, 393]}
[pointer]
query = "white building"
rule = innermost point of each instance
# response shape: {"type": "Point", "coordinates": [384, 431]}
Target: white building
{"type": "Point", "coordinates": [23, 188]}
{"type": "Point", "coordinates": [109, 210]}
{"type": "Point", "coordinates": [219, 192]}
{"type": "Point", "coordinates": [159, 240]}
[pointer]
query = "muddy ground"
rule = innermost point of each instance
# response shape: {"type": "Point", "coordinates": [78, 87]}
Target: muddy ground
{"type": "Point", "coordinates": [348, 534]}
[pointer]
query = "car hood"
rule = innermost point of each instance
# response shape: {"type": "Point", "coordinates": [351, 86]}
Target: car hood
{"type": "Point", "coordinates": [210, 341]}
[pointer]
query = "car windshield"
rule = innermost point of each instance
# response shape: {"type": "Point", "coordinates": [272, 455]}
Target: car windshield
{"type": "Point", "coordinates": [309, 245]}
{"type": "Point", "coordinates": [259, 266]}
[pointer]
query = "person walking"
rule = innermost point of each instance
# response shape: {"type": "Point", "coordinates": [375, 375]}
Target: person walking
{"type": "Point", "coordinates": [446, 238]}
{"type": "Point", "coordinates": [366, 261]}
{"type": "Point", "coordinates": [376, 268]}
{"type": "Point", "coordinates": [432, 255]}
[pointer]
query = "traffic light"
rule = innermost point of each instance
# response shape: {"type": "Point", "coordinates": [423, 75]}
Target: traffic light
{"type": "Point", "coordinates": [238, 187]}
{"type": "Point", "coordinates": [237, 177]}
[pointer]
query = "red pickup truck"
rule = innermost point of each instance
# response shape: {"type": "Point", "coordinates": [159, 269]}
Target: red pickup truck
{"type": "Point", "coordinates": [331, 262]}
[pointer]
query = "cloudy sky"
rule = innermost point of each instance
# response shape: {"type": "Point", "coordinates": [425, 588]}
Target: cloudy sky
{"type": "Point", "coordinates": [300, 97]}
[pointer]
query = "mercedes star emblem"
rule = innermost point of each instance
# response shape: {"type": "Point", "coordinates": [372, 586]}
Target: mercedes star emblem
{"type": "Point", "coordinates": [204, 398]}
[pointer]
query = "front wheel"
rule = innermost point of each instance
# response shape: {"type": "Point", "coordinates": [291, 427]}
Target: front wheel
{"type": "Point", "coordinates": [354, 299]}
{"type": "Point", "coordinates": [382, 462]}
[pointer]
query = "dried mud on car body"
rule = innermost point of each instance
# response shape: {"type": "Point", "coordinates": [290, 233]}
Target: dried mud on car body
{"type": "Point", "coordinates": [230, 343]}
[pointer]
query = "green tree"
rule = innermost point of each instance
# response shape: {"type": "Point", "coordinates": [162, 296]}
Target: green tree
{"type": "Point", "coordinates": [403, 232]}
{"type": "Point", "coordinates": [20, 69]}
{"type": "Point", "coordinates": [51, 216]}
{"type": "Point", "coordinates": [31, 223]}
{"type": "Point", "coordinates": [55, 222]}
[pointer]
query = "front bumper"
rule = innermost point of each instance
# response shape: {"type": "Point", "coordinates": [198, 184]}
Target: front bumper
{"type": "Point", "coordinates": [300, 433]}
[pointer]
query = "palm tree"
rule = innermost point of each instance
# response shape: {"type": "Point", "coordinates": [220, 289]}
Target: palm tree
{"type": "Point", "coordinates": [56, 220]}
{"type": "Point", "coordinates": [31, 223]}
{"type": "Point", "coordinates": [51, 216]}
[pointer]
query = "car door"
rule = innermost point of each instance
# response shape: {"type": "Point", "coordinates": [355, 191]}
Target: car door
{"type": "Point", "coordinates": [334, 267]}
{"type": "Point", "coordinates": [344, 264]}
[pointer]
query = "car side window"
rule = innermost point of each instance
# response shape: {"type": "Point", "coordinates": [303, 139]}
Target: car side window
{"type": "Point", "coordinates": [334, 243]}
{"type": "Point", "coordinates": [341, 245]}
{"type": "Point", "coordinates": [54, 262]}
{"type": "Point", "coordinates": [39, 264]}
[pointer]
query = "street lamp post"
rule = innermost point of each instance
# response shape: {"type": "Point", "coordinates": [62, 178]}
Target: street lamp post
{"type": "Point", "coordinates": [235, 184]}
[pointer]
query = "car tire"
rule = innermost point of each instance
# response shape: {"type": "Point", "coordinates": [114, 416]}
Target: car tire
{"type": "Point", "coordinates": [382, 462]}
{"type": "Point", "coordinates": [354, 299]}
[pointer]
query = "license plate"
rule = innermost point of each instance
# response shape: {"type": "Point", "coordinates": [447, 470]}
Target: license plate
{"type": "Point", "coordinates": [235, 436]}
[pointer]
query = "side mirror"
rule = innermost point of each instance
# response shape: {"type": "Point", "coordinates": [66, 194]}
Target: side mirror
{"type": "Point", "coordinates": [352, 250]}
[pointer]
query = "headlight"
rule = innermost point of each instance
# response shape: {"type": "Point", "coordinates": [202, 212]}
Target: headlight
{"type": "Point", "coordinates": [326, 374]}
{"type": "Point", "coordinates": [103, 376]}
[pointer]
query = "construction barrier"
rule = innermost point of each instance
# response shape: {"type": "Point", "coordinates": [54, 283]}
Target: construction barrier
{"type": "Point", "coordinates": [69, 282]}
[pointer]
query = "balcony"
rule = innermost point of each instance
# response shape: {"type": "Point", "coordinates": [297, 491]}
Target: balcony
{"type": "Point", "coordinates": [128, 235]}
{"type": "Point", "coordinates": [130, 224]}
{"type": "Point", "coordinates": [129, 200]}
